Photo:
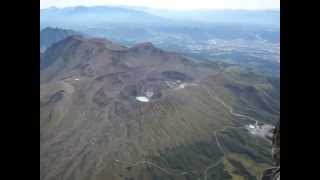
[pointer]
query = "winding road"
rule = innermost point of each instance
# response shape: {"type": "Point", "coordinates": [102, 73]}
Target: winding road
{"type": "Point", "coordinates": [211, 166]}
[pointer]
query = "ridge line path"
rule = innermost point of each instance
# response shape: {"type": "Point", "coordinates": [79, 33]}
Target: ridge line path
{"type": "Point", "coordinates": [230, 109]}
{"type": "Point", "coordinates": [211, 166]}
{"type": "Point", "coordinates": [205, 172]}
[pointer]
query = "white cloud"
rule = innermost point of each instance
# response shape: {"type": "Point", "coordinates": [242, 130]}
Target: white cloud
{"type": "Point", "coordinates": [170, 4]}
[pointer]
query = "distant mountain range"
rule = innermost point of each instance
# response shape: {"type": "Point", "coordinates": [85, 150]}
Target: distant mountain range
{"type": "Point", "coordinates": [109, 111]}
{"type": "Point", "coordinates": [141, 15]}
{"type": "Point", "coordinates": [80, 17]}
{"type": "Point", "coordinates": [246, 37]}
{"type": "Point", "coordinates": [270, 17]}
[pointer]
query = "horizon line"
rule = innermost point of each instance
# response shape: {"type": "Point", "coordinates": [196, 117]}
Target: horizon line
{"type": "Point", "coordinates": [168, 9]}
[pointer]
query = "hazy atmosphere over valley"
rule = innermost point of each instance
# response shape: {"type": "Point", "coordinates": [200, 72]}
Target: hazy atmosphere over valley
{"type": "Point", "coordinates": [141, 90]}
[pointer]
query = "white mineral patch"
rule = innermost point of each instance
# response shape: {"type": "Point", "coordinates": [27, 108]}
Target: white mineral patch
{"type": "Point", "coordinates": [142, 99]}
{"type": "Point", "coordinates": [262, 131]}
{"type": "Point", "coordinates": [149, 94]}
{"type": "Point", "coordinates": [183, 85]}
{"type": "Point", "coordinates": [171, 84]}
{"type": "Point", "coordinates": [76, 79]}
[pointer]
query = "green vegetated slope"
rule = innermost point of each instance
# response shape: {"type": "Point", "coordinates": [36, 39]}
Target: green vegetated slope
{"type": "Point", "coordinates": [93, 127]}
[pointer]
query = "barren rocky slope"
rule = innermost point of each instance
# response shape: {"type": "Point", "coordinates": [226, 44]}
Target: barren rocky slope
{"type": "Point", "coordinates": [112, 112]}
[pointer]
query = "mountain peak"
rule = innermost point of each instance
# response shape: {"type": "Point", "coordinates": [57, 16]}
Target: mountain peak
{"type": "Point", "coordinates": [72, 38]}
{"type": "Point", "coordinates": [49, 28]}
{"type": "Point", "coordinates": [144, 45]}
{"type": "Point", "coordinates": [76, 37]}
{"type": "Point", "coordinates": [51, 35]}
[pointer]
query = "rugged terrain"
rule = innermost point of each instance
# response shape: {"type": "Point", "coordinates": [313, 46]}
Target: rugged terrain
{"type": "Point", "coordinates": [112, 112]}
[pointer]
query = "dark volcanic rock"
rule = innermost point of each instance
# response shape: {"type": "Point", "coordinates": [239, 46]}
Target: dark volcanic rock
{"type": "Point", "coordinates": [276, 146]}
{"type": "Point", "coordinates": [57, 96]}
{"type": "Point", "coordinates": [101, 99]}
{"type": "Point", "coordinates": [274, 173]}
{"type": "Point", "coordinates": [174, 75]}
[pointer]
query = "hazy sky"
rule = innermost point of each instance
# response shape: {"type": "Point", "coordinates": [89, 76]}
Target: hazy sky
{"type": "Point", "coordinates": [170, 4]}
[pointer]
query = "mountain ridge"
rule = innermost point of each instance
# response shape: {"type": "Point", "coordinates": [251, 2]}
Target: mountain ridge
{"type": "Point", "coordinates": [93, 126]}
{"type": "Point", "coordinates": [50, 35]}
